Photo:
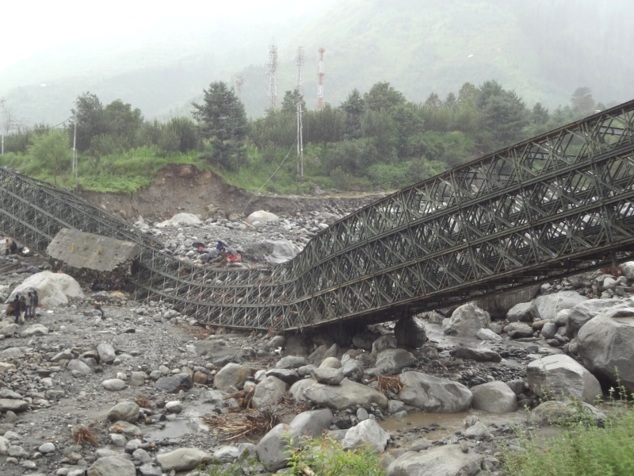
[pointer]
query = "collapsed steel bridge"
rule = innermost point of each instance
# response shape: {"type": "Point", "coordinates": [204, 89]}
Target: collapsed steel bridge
{"type": "Point", "coordinates": [555, 205]}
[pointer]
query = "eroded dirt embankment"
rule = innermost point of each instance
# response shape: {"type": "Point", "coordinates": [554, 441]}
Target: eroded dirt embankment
{"type": "Point", "coordinates": [183, 188]}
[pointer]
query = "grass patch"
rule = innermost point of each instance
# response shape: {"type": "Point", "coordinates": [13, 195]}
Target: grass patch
{"type": "Point", "coordinates": [326, 457]}
{"type": "Point", "coordinates": [580, 450]}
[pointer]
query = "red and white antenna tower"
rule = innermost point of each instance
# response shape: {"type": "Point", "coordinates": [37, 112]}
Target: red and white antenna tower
{"type": "Point", "coordinates": [320, 81]}
{"type": "Point", "coordinates": [273, 76]}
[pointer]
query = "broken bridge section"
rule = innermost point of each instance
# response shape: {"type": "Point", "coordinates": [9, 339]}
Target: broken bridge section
{"type": "Point", "coordinates": [103, 261]}
{"type": "Point", "coordinates": [551, 206]}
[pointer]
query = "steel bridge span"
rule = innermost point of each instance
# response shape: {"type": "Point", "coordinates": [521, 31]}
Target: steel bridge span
{"type": "Point", "coordinates": [557, 204]}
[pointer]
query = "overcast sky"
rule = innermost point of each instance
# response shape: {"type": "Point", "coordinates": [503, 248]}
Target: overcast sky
{"type": "Point", "coordinates": [32, 26]}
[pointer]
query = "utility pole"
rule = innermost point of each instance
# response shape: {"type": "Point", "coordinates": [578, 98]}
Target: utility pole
{"type": "Point", "coordinates": [75, 148]}
{"type": "Point", "coordinates": [272, 77]}
{"type": "Point", "coordinates": [300, 139]}
{"type": "Point", "coordinates": [2, 131]}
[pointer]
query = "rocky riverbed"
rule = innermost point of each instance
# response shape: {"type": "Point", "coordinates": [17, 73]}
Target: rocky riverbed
{"type": "Point", "coordinates": [144, 390]}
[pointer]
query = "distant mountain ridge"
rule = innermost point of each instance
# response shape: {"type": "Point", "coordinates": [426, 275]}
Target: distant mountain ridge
{"type": "Point", "coordinates": [543, 50]}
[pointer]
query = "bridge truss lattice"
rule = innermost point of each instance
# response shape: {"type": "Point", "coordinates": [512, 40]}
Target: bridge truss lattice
{"type": "Point", "coordinates": [554, 205]}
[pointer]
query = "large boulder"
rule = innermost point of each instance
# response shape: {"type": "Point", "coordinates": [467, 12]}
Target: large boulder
{"type": "Point", "coordinates": [273, 449]}
{"type": "Point", "coordinates": [547, 306]}
{"type": "Point", "coordinates": [268, 392]}
{"type": "Point", "coordinates": [410, 332]}
{"type": "Point", "coordinates": [273, 251]}
{"type": "Point", "coordinates": [606, 345]}
{"type": "Point", "coordinates": [338, 397]}
{"type": "Point", "coordinates": [583, 312]}
{"type": "Point", "coordinates": [433, 394]}
{"type": "Point", "coordinates": [494, 397]}
{"type": "Point", "coordinates": [466, 321]}
{"type": "Point", "coordinates": [181, 219]}
{"type": "Point", "coordinates": [447, 460]}
{"type": "Point", "coordinates": [262, 216]}
{"type": "Point", "coordinates": [231, 375]}
{"type": "Point", "coordinates": [562, 376]}
{"type": "Point", "coordinates": [53, 289]}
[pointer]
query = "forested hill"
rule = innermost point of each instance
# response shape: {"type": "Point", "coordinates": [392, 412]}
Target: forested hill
{"type": "Point", "coordinates": [542, 49]}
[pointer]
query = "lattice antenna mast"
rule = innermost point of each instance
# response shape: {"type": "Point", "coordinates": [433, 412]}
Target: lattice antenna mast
{"type": "Point", "coordinates": [299, 94]}
{"type": "Point", "coordinates": [272, 76]}
{"type": "Point", "coordinates": [320, 81]}
{"type": "Point", "coordinates": [238, 82]}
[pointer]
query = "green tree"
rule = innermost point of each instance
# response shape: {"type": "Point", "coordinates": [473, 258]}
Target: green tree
{"type": "Point", "coordinates": [52, 152]}
{"type": "Point", "coordinates": [88, 113]}
{"type": "Point", "coordinates": [186, 133]}
{"type": "Point", "coordinates": [289, 103]}
{"type": "Point", "coordinates": [223, 123]}
{"type": "Point", "coordinates": [582, 102]}
{"type": "Point", "coordinates": [383, 97]}
{"type": "Point", "coordinates": [122, 123]}
{"type": "Point", "coordinates": [354, 108]}
{"type": "Point", "coordinates": [503, 116]}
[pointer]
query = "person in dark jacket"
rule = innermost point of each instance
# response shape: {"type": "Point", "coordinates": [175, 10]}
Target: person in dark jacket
{"type": "Point", "coordinates": [16, 308]}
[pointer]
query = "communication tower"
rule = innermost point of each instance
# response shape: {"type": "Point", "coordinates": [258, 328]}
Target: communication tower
{"type": "Point", "coordinates": [272, 76]}
{"type": "Point", "coordinates": [320, 81]}
{"type": "Point", "coordinates": [238, 82]}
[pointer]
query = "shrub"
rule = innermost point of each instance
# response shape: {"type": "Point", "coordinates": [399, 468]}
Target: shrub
{"type": "Point", "coordinates": [326, 457]}
{"type": "Point", "coordinates": [580, 450]}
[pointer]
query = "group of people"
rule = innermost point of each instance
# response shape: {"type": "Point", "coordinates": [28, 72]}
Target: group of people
{"type": "Point", "coordinates": [219, 254]}
{"type": "Point", "coordinates": [24, 307]}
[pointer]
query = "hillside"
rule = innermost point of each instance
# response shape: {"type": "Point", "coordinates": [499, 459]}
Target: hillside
{"type": "Point", "coordinates": [542, 50]}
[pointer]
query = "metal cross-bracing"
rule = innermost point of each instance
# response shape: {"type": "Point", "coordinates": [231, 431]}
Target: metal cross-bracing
{"type": "Point", "coordinates": [552, 206]}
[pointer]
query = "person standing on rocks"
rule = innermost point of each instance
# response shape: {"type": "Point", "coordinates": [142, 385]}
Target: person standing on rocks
{"type": "Point", "coordinates": [22, 307]}
{"type": "Point", "coordinates": [29, 305]}
{"type": "Point", "coordinates": [16, 308]}
{"type": "Point", "coordinates": [36, 301]}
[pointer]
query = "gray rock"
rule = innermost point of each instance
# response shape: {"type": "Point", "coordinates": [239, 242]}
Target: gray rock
{"type": "Point", "coordinates": [466, 321]}
{"type": "Point", "coordinates": [77, 366]}
{"type": "Point", "coordinates": [518, 330]}
{"type": "Point", "coordinates": [106, 353]}
{"type": "Point", "coordinates": [174, 383]}
{"type": "Point", "coordinates": [433, 394]}
{"type": "Point", "coordinates": [328, 376]}
{"type": "Point", "coordinates": [494, 397]}
{"type": "Point", "coordinates": [410, 332]}
{"type": "Point", "coordinates": [114, 384]}
{"type": "Point", "coordinates": [554, 411]}
{"type": "Point", "coordinates": [346, 395]}
{"type": "Point", "coordinates": [369, 433]}
{"type": "Point", "coordinates": [547, 306]}
{"type": "Point", "coordinates": [605, 345]}
{"type": "Point", "coordinates": [448, 460]}
{"type": "Point", "coordinates": [383, 343]}
{"type": "Point", "coordinates": [291, 362]}
{"type": "Point", "coordinates": [13, 405]}
{"type": "Point", "coordinates": [479, 355]}
{"type": "Point", "coordinates": [273, 448]}
{"type": "Point", "coordinates": [561, 376]}
{"type": "Point", "coordinates": [392, 361]}
{"type": "Point", "coordinates": [183, 459]}
{"type": "Point", "coordinates": [549, 330]}
{"type": "Point", "coordinates": [268, 392]}
{"type": "Point", "coordinates": [126, 411]}
{"type": "Point", "coordinates": [583, 312]}
{"type": "Point", "coordinates": [232, 375]}
{"type": "Point", "coordinates": [520, 313]}
{"type": "Point", "coordinates": [112, 466]}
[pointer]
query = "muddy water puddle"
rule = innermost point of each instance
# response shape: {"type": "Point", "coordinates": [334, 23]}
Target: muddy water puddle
{"type": "Point", "coordinates": [436, 426]}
